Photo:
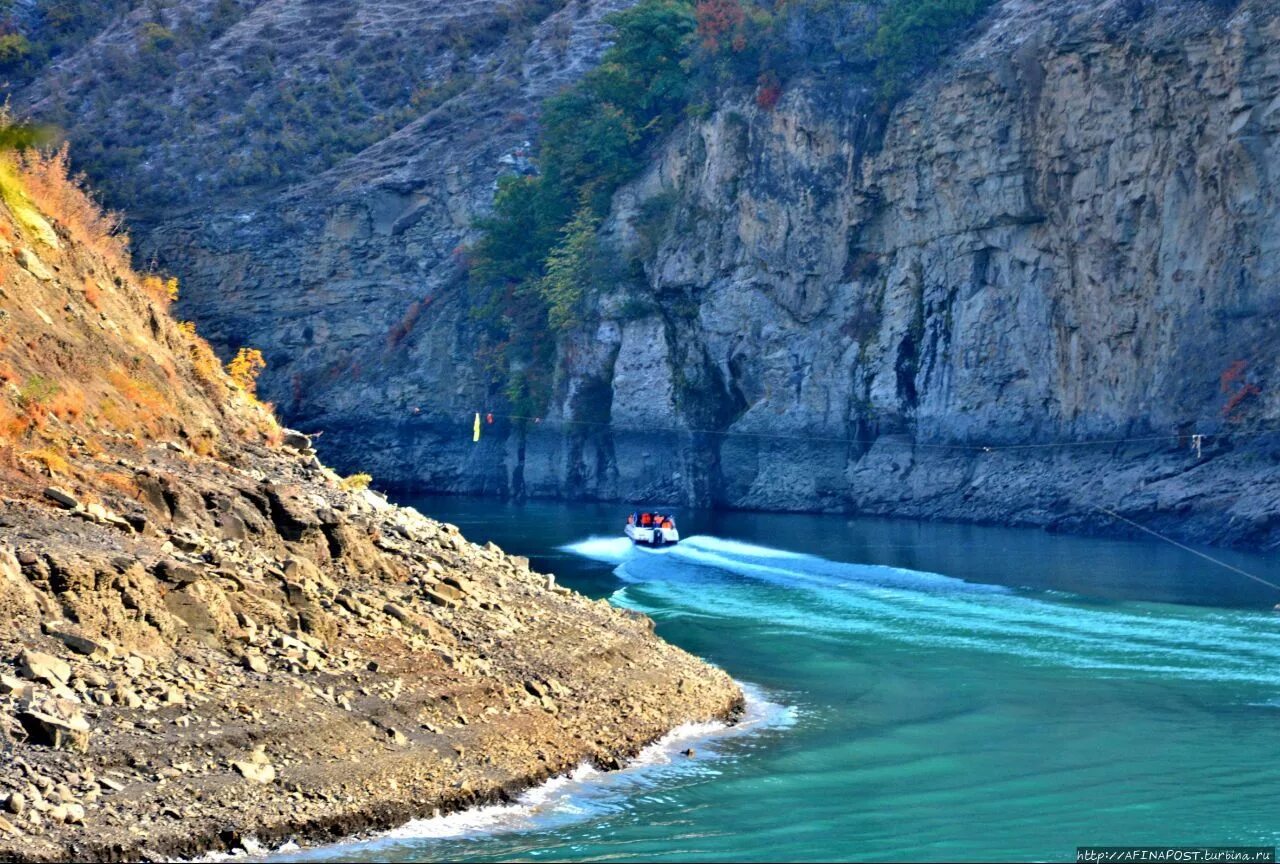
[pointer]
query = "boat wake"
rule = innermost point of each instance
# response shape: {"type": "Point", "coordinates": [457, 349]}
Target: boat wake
{"type": "Point", "coordinates": [786, 591]}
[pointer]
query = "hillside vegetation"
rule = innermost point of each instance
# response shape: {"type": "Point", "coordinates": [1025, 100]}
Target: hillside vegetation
{"type": "Point", "coordinates": [33, 35]}
{"type": "Point", "coordinates": [175, 102]}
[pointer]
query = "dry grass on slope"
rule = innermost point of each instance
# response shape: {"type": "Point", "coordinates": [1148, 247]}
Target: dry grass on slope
{"type": "Point", "coordinates": [90, 360]}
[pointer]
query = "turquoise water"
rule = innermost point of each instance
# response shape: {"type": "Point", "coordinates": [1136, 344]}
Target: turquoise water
{"type": "Point", "coordinates": [918, 692]}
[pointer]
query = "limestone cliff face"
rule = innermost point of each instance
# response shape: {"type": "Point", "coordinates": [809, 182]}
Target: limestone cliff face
{"type": "Point", "coordinates": [1068, 235]}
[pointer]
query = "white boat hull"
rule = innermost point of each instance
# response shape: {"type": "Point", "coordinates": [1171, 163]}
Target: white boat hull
{"type": "Point", "coordinates": [653, 536]}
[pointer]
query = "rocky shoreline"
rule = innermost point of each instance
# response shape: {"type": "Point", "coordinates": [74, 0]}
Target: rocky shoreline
{"type": "Point", "coordinates": [207, 636]}
{"type": "Point", "coordinates": [282, 659]}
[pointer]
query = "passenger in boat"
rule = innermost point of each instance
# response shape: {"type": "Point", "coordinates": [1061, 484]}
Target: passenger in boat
{"type": "Point", "coordinates": [631, 519]}
{"type": "Point", "coordinates": [646, 520]}
{"type": "Point", "coordinates": [667, 524]}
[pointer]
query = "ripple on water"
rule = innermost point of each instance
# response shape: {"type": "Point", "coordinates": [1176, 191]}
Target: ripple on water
{"type": "Point", "coordinates": [705, 576]}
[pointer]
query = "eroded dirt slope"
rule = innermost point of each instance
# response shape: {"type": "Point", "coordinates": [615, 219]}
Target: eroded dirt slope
{"type": "Point", "coordinates": [206, 635]}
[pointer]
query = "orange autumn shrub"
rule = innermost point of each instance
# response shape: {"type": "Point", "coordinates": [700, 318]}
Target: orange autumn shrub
{"type": "Point", "coordinates": [52, 461]}
{"type": "Point", "coordinates": [245, 368]}
{"type": "Point", "coordinates": [161, 290]}
{"type": "Point", "coordinates": [63, 197]}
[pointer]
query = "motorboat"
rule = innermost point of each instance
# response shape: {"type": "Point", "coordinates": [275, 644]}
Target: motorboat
{"type": "Point", "coordinates": [652, 528]}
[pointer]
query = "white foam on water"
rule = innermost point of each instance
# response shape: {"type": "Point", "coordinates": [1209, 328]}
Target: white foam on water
{"type": "Point", "coordinates": [653, 550]}
{"type": "Point", "coordinates": [249, 847]}
{"type": "Point", "coordinates": [737, 547]}
{"type": "Point", "coordinates": [810, 595]}
{"type": "Point", "coordinates": [583, 793]}
{"type": "Point", "coordinates": [762, 561]}
{"type": "Point", "coordinates": [515, 816]}
{"type": "Point", "coordinates": [616, 550]}
{"type": "Point", "coordinates": [587, 790]}
{"type": "Point", "coordinates": [610, 550]}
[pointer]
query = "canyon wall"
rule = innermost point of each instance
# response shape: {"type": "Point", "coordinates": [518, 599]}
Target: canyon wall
{"type": "Point", "coordinates": [1015, 297]}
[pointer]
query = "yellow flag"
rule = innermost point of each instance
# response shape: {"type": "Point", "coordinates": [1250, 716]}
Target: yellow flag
{"type": "Point", "coordinates": [476, 435]}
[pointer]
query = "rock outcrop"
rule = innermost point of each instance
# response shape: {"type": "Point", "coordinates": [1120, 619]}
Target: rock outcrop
{"type": "Point", "coordinates": [372, 668]}
{"type": "Point", "coordinates": [208, 637]}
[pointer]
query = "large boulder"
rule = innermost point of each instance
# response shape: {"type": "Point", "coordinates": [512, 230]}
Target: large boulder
{"type": "Point", "coordinates": [62, 498]}
{"type": "Point", "coordinates": [257, 768]}
{"type": "Point", "coordinates": [263, 774]}
{"type": "Point", "coordinates": [442, 594]}
{"type": "Point", "coordinates": [39, 666]}
{"type": "Point", "coordinates": [293, 514]}
{"type": "Point", "coordinates": [295, 440]}
{"type": "Point", "coordinates": [177, 572]}
{"type": "Point", "coordinates": [54, 722]}
{"type": "Point", "coordinates": [75, 639]}
{"type": "Point", "coordinates": [353, 546]}
{"type": "Point", "coordinates": [204, 608]}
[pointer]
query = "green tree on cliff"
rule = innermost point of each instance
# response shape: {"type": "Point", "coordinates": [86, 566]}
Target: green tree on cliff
{"type": "Point", "coordinates": [530, 272]}
{"type": "Point", "coordinates": [530, 269]}
{"type": "Point", "coordinates": [912, 34]}
{"type": "Point", "coordinates": [569, 266]}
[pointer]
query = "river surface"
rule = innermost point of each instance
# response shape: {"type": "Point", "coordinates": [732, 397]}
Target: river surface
{"type": "Point", "coordinates": [918, 692]}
